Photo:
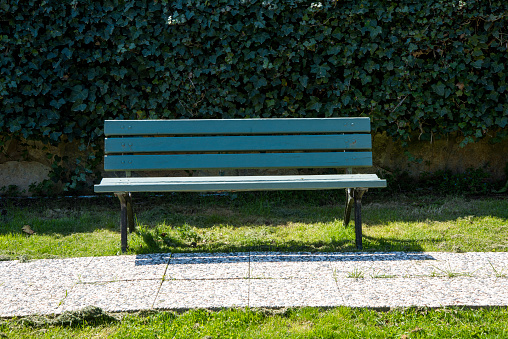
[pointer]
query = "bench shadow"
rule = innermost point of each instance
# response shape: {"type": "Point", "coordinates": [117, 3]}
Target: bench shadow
{"type": "Point", "coordinates": [268, 213]}
{"type": "Point", "coordinates": [167, 245]}
{"type": "Point", "coordinates": [261, 257]}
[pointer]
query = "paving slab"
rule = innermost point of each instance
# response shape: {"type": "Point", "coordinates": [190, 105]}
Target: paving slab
{"type": "Point", "coordinates": [475, 265]}
{"type": "Point", "coordinates": [377, 265]}
{"type": "Point", "coordinates": [125, 267]}
{"type": "Point", "coordinates": [208, 266]}
{"type": "Point", "coordinates": [187, 294]}
{"type": "Point", "coordinates": [23, 299]}
{"type": "Point", "coordinates": [115, 296]}
{"type": "Point", "coordinates": [386, 292]}
{"type": "Point", "coordinates": [465, 291]}
{"type": "Point", "coordinates": [53, 272]}
{"type": "Point", "coordinates": [294, 293]}
{"type": "Point", "coordinates": [289, 265]}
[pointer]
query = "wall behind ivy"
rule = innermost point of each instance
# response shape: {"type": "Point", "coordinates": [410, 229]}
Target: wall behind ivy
{"type": "Point", "coordinates": [420, 69]}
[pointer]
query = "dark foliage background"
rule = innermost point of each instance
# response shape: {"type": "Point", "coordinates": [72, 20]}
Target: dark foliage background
{"type": "Point", "coordinates": [431, 67]}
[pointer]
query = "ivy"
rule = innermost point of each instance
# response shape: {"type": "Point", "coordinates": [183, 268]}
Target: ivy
{"type": "Point", "coordinates": [432, 67]}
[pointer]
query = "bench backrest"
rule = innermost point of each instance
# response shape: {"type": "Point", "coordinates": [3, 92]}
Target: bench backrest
{"type": "Point", "coordinates": [142, 145]}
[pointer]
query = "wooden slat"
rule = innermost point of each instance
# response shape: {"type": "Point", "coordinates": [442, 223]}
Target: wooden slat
{"type": "Point", "coordinates": [237, 143]}
{"type": "Point", "coordinates": [236, 126]}
{"type": "Point", "coordinates": [239, 183]}
{"type": "Point", "coordinates": [237, 161]}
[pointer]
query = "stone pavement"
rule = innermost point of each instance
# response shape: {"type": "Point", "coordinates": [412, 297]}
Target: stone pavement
{"type": "Point", "coordinates": [182, 281]}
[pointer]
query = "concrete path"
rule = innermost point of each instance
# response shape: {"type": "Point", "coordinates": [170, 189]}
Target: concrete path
{"type": "Point", "coordinates": [255, 279]}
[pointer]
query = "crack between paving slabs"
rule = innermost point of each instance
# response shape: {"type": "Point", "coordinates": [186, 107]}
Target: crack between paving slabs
{"type": "Point", "coordinates": [248, 282]}
{"type": "Point", "coordinates": [335, 278]}
{"type": "Point", "coordinates": [162, 280]}
{"type": "Point", "coordinates": [61, 303]}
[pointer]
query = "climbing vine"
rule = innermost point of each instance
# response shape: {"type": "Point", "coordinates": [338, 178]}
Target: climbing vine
{"type": "Point", "coordinates": [426, 68]}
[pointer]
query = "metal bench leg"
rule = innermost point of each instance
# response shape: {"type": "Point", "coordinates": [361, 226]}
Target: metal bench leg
{"type": "Point", "coordinates": [123, 220]}
{"type": "Point", "coordinates": [349, 204]}
{"type": "Point", "coordinates": [357, 195]}
{"type": "Point", "coordinates": [130, 214]}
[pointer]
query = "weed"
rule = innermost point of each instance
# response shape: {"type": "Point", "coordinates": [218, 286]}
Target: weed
{"type": "Point", "coordinates": [356, 273]}
{"type": "Point", "coordinates": [43, 188]}
{"type": "Point", "coordinates": [11, 191]}
{"type": "Point", "coordinates": [380, 275]}
{"type": "Point", "coordinates": [450, 273]}
{"type": "Point", "coordinates": [89, 315]}
{"type": "Point", "coordinates": [23, 258]}
{"type": "Point", "coordinates": [63, 299]}
{"type": "Point", "coordinates": [499, 274]}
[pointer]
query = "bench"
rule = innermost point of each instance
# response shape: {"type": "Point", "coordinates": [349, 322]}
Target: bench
{"type": "Point", "coordinates": [236, 144]}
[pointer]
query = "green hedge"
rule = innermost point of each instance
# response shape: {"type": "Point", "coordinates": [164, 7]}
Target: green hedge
{"type": "Point", "coordinates": [430, 67]}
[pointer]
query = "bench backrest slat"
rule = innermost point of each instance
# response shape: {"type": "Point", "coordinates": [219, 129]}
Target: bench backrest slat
{"type": "Point", "coordinates": [236, 126]}
{"type": "Point", "coordinates": [238, 161]}
{"type": "Point", "coordinates": [238, 143]}
{"type": "Point", "coordinates": [139, 145]}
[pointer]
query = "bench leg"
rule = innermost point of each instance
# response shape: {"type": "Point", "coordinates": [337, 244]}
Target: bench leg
{"type": "Point", "coordinates": [358, 216]}
{"type": "Point", "coordinates": [354, 197]}
{"type": "Point", "coordinates": [349, 204]}
{"type": "Point", "coordinates": [130, 214]}
{"type": "Point", "coordinates": [123, 220]}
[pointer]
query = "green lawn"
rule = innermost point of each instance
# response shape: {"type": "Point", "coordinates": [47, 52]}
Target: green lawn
{"type": "Point", "coordinates": [302, 221]}
{"type": "Point", "coordinates": [339, 322]}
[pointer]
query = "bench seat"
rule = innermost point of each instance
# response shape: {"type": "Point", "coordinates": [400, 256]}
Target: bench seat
{"type": "Point", "coordinates": [238, 183]}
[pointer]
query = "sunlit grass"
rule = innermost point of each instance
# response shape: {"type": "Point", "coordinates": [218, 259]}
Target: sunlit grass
{"type": "Point", "coordinates": [339, 322]}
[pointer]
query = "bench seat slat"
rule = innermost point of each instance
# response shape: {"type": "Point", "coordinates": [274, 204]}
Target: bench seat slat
{"type": "Point", "coordinates": [238, 143]}
{"type": "Point", "coordinates": [236, 126]}
{"type": "Point", "coordinates": [237, 161]}
{"type": "Point", "coordinates": [238, 183]}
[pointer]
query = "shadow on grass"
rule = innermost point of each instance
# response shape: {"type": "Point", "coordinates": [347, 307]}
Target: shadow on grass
{"type": "Point", "coordinates": [58, 216]}
{"type": "Point", "coordinates": [153, 243]}
{"type": "Point", "coordinates": [271, 209]}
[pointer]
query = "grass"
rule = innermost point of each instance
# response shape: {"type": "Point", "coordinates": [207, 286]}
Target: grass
{"type": "Point", "coordinates": [356, 274]}
{"type": "Point", "coordinates": [339, 322]}
{"type": "Point", "coordinates": [300, 221]}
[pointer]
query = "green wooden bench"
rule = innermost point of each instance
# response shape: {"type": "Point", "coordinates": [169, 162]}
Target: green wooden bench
{"type": "Point", "coordinates": [148, 145]}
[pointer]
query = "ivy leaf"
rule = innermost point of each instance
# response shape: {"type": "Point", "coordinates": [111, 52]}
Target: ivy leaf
{"type": "Point", "coordinates": [439, 88]}
{"type": "Point", "coordinates": [68, 129]}
{"type": "Point", "coordinates": [314, 104]}
{"type": "Point", "coordinates": [477, 63]}
{"type": "Point", "coordinates": [497, 67]}
{"type": "Point", "coordinates": [67, 52]}
{"type": "Point", "coordinates": [78, 107]}
{"type": "Point", "coordinates": [304, 80]}
{"type": "Point", "coordinates": [321, 71]}
{"type": "Point", "coordinates": [57, 103]}
{"type": "Point", "coordinates": [78, 93]}
{"type": "Point", "coordinates": [502, 121]}
{"type": "Point", "coordinates": [14, 126]}
{"type": "Point", "coordinates": [375, 31]}
{"type": "Point", "coordinates": [55, 135]}
{"type": "Point", "coordinates": [258, 82]}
